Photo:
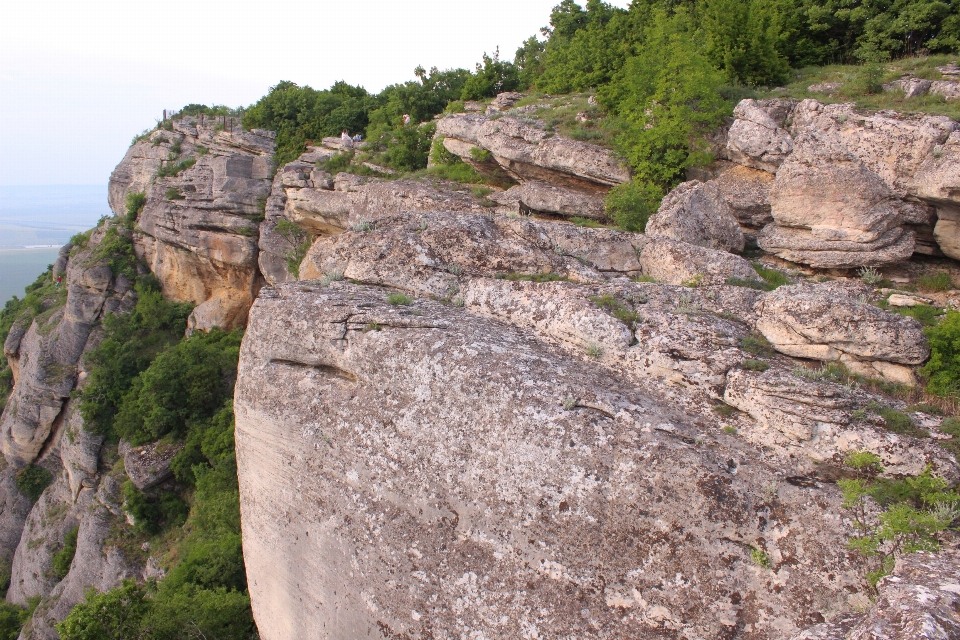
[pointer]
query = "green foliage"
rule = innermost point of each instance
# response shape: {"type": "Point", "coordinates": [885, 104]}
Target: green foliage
{"type": "Point", "coordinates": [338, 163]}
{"type": "Point", "coordinates": [942, 371]}
{"type": "Point", "coordinates": [32, 480]}
{"type": "Point", "coordinates": [135, 203]}
{"type": "Point", "coordinates": [617, 309]}
{"type": "Point", "coordinates": [130, 344]}
{"type": "Point", "coordinates": [940, 281]}
{"type": "Point", "coordinates": [397, 298]}
{"type": "Point", "coordinates": [742, 38]}
{"type": "Point", "coordinates": [114, 615]}
{"type": "Point", "coordinates": [925, 314]}
{"type": "Point", "coordinates": [116, 249]}
{"type": "Point", "coordinates": [631, 204]}
{"type": "Point", "coordinates": [760, 558]}
{"type": "Point", "coordinates": [533, 277]}
{"type": "Point", "coordinates": [480, 155]}
{"type": "Point", "coordinates": [898, 421]}
{"type": "Point", "coordinates": [756, 344]}
{"type": "Point", "coordinates": [173, 193]}
{"type": "Point", "coordinates": [171, 168]}
{"type": "Point", "coordinates": [915, 512]}
{"type": "Point", "coordinates": [302, 114]}
{"type": "Point", "coordinates": [492, 76]}
{"type": "Point", "coordinates": [754, 365]}
{"type": "Point", "coordinates": [12, 619]}
{"type": "Point", "coordinates": [183, 386]}
{"type": "Point", "coordinates": [153, 513]}
{"type": "Point", "coordinates": [61, 561]}
{"type": "Point", "coordinates": [771, 277]}
{"type": "Point", "coordinates": [404, 148]}
{"type": "Point", "coordinates": [298, 241]}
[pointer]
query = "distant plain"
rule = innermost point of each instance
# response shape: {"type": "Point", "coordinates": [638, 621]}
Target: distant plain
{"type": "Point", "coordinates": [41, 215]}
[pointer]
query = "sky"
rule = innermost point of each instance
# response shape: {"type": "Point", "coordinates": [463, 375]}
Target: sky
{"type": "Point", "coordinates": [79, 79]}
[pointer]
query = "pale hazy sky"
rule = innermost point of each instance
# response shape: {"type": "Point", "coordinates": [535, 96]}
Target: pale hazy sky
{"type": "Point", "coordinates": [79, 79]}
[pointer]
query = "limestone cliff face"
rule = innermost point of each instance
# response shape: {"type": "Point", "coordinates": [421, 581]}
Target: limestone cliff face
{"type": "Point", "coordinates": [198, 229]}
{"type": "Point", "coordinates": [41, 424]}
{"type": "Point", "coordinates": [445, 474]}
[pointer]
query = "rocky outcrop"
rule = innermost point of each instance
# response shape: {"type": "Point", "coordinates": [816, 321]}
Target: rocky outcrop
{"type": "Point", "coordinates": [46, 355]}
{"type": "Point", "coordinates": [918, 601]}
{"type": "Point", "coordinates": [197, 231]}
{"type": "Point", "coordinates": [697, 213]}
{"type": "Point", "coordinates": [851, 189]}
{"type": "Point", "coordinates": [527, 152]}
{"type": "Point", "coordinates": [536, 197]}
{"type": "Point", "coordinates": [673, 262]}
{"type": "Point", "coordinates": [148, 465]}
{"type": "Point", "coordinates": [747, 192]}
{"type": "Point", "coordinates": [756, 137]}
{"type": "Point", "coordinates": [827, 323]}
{"type": "Point", "coordinates": [830, 210]}
{"type": "Point", "coordinates": [814, 420]}
{"type": "Point", "coordinates": [452, 474]}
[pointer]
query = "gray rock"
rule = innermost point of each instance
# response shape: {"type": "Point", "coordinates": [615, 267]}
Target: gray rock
{"type": "Point", "coordinates": [949, 89]}
{"type": "Point", "coordinates": [148, 465]}
{"type": "Point", "coordinates": [911, 87]}
{"type": "Point", "coordinates": [449, 472]}
{"type": "Point", "coordinates": [755, 138]}
{"type": "Point", "coordinates": [747, 192]}
{"type": "Point", "coordinates": [672, 262]}
{"type": "Point", "coordinates": [697, 213]}
{"type": "Point", "coordinates": [540, 197]}
{"type": "Point", "coordinates": [529, 153]}
{"type": "Point", "coordinates": [826, 322]}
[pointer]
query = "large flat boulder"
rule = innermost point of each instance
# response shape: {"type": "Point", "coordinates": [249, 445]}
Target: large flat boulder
{"type": "Point", "coordinates": [674, 262]}
{"type": "Point", "coordinates": [419, 469]}
{"type": "Point", "coordinates": [827, 322]}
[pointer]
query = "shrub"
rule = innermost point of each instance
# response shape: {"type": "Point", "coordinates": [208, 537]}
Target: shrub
{"type": "Point", "coordinates": [594, 350]}
{"type": "Point", "coordinates": [174, 168]}
{"type": "Point", "coordinates": [915, 512]}
{"type": "Point", "coordinates": [756, 344]}
{"type": "Point", "coordinates": [116, 249]}
{"type": "Point", "coordinates": [135, 203]}
{"type": "Point", "coordinates": [943, 369]}
{"type": "Point", "coordinates": [925, 314]}
{"type": "Point", "coordinates": [298, 241]}
{"type": "Point", "coordinates": [491, 77]}
{"type": "Point", "coordinates": [32, 480]}
{"type": "Point", "coordinates": [631, 204]}
{"type": "Point", "coordinates": [173, 193]}
{"type": "Point", "coordinates": [129, 345]}
{"type": "Point", "coordinates": [898, 421]}
{"type": "Point", "coordinates": [937, 282]}
{"type": "Point", "coordinates": [398, 299]}
{"type": "Point", "coordinates": [153, 513]}
{"type": "Point", "coordinates": [183, 386]}
{"type": "Point", "coordinates": [61, 561]}
{"type": "Point", "coordinates": [480, 155]}
{"type": "Point", "coordinates": [12, 619]}
{"type": "Point", "coordinates": [869, 275]}
{"type": "Point", "coordinates": [754, 365]}
{"type": "Point", "coordinates": [617, 309]}
{"type": "Point", "coordinates": [760, 558]}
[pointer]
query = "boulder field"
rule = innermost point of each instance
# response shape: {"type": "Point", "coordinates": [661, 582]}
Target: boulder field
{"type": "Point", "coordinates": [460, 415]}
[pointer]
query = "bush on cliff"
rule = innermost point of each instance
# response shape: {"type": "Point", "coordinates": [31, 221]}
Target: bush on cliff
{"type": "Point", "coordinates": [130, 344]}
{"type": "Point", "coordinates": [943, 369]}
{"type": "Point", "coordinates": [183, 386]}
{"type": "Point", "coordinates": [492, 76]}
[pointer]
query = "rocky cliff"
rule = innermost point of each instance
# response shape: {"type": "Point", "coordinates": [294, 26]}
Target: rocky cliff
{"type": "Point", "coordinates": [460, 415]}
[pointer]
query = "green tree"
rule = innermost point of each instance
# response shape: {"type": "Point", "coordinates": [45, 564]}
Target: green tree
{"type": "Point", "coordinates": [742, 39]}
{"type": "Point", "coordinates": [492, 76]}
{"type": "Point", "coordinates": [943, 369]}
{"type": "Point", "coordinates": [114, 615]}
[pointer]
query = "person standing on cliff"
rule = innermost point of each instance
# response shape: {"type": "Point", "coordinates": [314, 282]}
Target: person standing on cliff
{"type": "Point", "coordinates": [406, 119]}
{"type": "Point", "coordinates": [345, 140]}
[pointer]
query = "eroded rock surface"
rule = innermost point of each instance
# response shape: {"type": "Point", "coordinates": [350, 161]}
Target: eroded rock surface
{"type": "Point", "coordinates": [423, 470]}
{"type": "Point", "coordinates": [827, 323]}
{"type": "Point", "coordinates": [697, 212]}
{"type": "Point", "coordinates": [198, 231]}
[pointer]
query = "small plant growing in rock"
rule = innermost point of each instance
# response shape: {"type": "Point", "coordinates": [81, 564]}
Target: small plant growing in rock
{"type": "Point", "coordinates": [61, 561]}
{"type": "Point", "coordinates": [760, 558]}
{"type": "Point", "coordinates": [362, 227]}
{"type": "Point", "coordinates": [174, 194]}
{"type": "Point", "coordinates": [32, 480]}
{"type": "Point", "coordinates": [898, 421]}
{"type": "Point", "coordinates": [693, 282]}
{"type": "Point", "coordinates": [594, 350]}
{"type": "Point", "coordinates": [458, 301]}
{"type": "Point", "coordinates": [617, 309]}
{"type": "Point", "coordinates": [935, 282]}
{"type": "Point", "coordinates": [755, 343]}
{"type": "Point", "coordinates": [870, 276]}
{"type": "Point", "coordinates": [938, 151]}
{"type": "Point", "coordinates": [730, 430]}
{"type": "Point", "coordinates": [859, 415]}
{"type": "Point", "coordinates": [770, 491]}
{"type": "Point", "coordinates": [569, 403]}
{"type": "Point", "coordinates": [724, 410]}
{"type": "Point", "coordinates": [915, 511]}
{"type": "Point", "coordinates": [642, 278]}
{"type": "Point", "coordinates": [480, 155]}
{"type": "Point", "coordinates": [686, 305]}
{"type": "Point", "coordinates": [754, 365]}
{"type": "Point", "coordinates": [422, 226]}
{"type": "Point", "coordinates": [399, 299]}
{"type": "Point", "coordinates": [333, 276]}
{"type": "Point", "coordinates": [372, 326]}
{"type": "Point", "coordinates": [455, 269]}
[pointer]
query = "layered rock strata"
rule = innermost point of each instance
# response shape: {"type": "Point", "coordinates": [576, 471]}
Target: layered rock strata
{"type": "Point", "coordinates": [697, 213]}
{"type": "Point", "coordinates": [198, 231]}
